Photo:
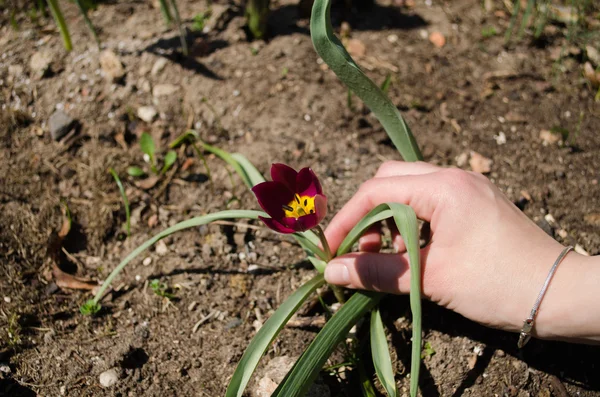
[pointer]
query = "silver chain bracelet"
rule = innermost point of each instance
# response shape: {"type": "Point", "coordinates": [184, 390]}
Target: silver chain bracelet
{"type": "Point", "coordinates": [525, 335]}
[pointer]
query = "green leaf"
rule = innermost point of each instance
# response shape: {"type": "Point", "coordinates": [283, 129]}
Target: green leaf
{"type": "Point", "coordinates": [83, 10]}
{"type": "Point", "coordinates": [406, 221]}
{"type": "Point", "coordinates": [229, 159]}
{"type": "Point", "coordinates": [307, 368]}
{"type": "Point", "coordinates": [319, 264]}
{"type": "Point", "coordinates": [267, 333]}
{"type": "Point", "coordinates": [135, 171]}
{"type": "Point", "coordinates": [331, 50]}
{"type": "Point", "coordinates": [60, 22]}
{"type": "Point", "coordinates": [381, 355]}
{"type": "Point", "coordinates": [377, 214]}
{"type": "Point", "coordinates": [306, 242]}
{"type": "Point", "coordinates": [188, 136]}
{"type": "Point", "coordinates": [254, 176]}
{"type": "Point", "coordinates": [147, 146]}
{"type": "Point", "coordinates": [170, 159]}
{"type": "Point", "coordinates": [124, 198]}
{"type": "Point", "coordinates": [385, 86]}
{"type": "Point", "coordinates": [194, 222]}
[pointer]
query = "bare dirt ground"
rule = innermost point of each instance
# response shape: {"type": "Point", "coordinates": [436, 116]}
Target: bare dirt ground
{"type": "Point", "coordinates": [274, 102]}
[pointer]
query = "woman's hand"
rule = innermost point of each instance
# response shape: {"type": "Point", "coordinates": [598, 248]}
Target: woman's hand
{"type": "Point", "coordinates": [486, 259]}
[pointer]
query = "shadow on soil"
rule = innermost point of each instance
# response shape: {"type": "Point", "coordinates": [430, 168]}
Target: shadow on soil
{"type": "Point", "coordinates": [11, 388]}
{"type": "Point", "coordinates": [571, 363]}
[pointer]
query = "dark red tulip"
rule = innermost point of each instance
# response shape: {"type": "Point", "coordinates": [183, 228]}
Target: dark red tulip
{"type": "Point", "coordinates": [293, 200]}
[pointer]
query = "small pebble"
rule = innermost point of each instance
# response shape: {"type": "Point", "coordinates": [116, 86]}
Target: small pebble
{"type": "Point", "coordinates": [109, 378]}
{"type": "Point", "coordinates": [161, 248]}
{"type": "Point", "coordinates": [7, 299]}
{"type": "Point", "coordinates": [147, 261]}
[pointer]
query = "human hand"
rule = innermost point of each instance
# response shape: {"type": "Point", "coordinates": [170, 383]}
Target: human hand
{"type": "Point", "coordinates": [486, 260]}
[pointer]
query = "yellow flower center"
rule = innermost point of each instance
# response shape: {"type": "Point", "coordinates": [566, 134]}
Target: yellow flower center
{"type": "Point", "coordinates": [299, 206]}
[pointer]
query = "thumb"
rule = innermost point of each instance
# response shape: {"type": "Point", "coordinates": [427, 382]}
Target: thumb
{"type": "Point", "coordinates": [372, 271]}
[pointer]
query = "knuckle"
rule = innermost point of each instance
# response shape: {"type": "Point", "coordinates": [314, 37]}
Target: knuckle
{"type": "Point", "coordinates": [386, 167]}
{"type": "Point", "coordinates": [455, 177]}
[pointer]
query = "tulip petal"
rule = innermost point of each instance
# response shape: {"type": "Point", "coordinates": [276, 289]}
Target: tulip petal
{"type": "Point", "coordinates": [302, 223]}
{"type": "Point", "coordinates": [274, 225]}
{"type": "Point", "coordinates": [320, 207]}
{"type": "Point", "coordinates": [284, 174]}
{"type": "Point", "coordinates": [307, 183]}
{"type": "Point", "coordinates": [272, 196]}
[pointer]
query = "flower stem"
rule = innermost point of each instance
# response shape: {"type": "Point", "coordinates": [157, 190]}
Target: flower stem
{"type": "Point", "coordinates": [337, 291]}
{"type": "Point", "coordinates": [319, 232]}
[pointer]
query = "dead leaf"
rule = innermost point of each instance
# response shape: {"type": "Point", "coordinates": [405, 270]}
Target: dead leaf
{"type": "Point", "coordinates": [66, 280]}
{"type": "Point", "coordinates": [479, 163]}
{"type": "Point", "coordinates": [548, 137]}
{"type": "Point", "coordinates": [148, 183]}
{"type": "Point", "coordinates": [187, 164]}
{"type": "Point", "coordinates": [153, 220]}
{"type": "Point", "coordinates": [437, 39]}
{"type": "Point", "coordinates": [592, 219]}
{"type": "Point", "coordinates": [356, 48]}
{"type": "Point", "coordinates": [591, 74]}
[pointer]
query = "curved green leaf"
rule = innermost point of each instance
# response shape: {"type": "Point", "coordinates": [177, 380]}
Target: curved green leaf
{"type": "Point", "coordinates": [60, 22]}
{"type": "Point", "coordinates": [194, 222]}
{"type": "Point", "coordinates": [381, 354]}
{"type": "Point", "coordinates": [337, 58]}
{"type": "Point", "coordinates": [135, 171]}
{"type": "Point", "coordinates": [147, 146]}
{"type": "Point", "coordinates": [406, 222]}
{"type": "Point", "coordinates": [267, 333]}
{"type": "Point", "coordinates": [377, 214]}
{"type": "Point", "coordinates": [170, 159]}
{"type": "Point", "coordinates": [124, 198]}
{"type": "Point", "coordinates": [253, 174]}
{"type": "Point", "coordinates": [307, 368]}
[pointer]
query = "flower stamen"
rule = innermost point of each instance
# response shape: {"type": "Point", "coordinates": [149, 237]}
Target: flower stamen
{"type": "Point", "coordinates": [300, 206]}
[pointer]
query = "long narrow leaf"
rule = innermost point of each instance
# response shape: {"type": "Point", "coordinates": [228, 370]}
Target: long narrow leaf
{"type": "Point", "coordinates": [331, 50]}
{"type": "Point", "coordinates": [377, 214]}
{"type": "Point", "coordinates": [309, 245]}
{"type": "Point", "coordinates": [60, 22]}
{"type": "Point", "coordinates": [253, 174]}
{"type": "Point", "coordinates": [406, 222]}
{"type": "Point", "coordinates": [88, 22]}
{"type": "Point", "coordinates": [229, 159]}
{"type": "Point", "coordinates": [267, 333]}
{"type": "Point", "coordinates": [124, 198]}
{"type": "Point", "coordinates": [194, 222]}
{"type": "Point", "coordinates": [307, 368]}
{"type": "Point", "coordinates": [381, 354]}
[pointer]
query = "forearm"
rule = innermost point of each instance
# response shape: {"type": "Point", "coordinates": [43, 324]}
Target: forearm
{"type": "Point", "coordinates": [570, 310]}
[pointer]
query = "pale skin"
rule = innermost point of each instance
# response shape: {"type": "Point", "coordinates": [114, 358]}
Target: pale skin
{"type": "Point", "coordinates": [486, 259]}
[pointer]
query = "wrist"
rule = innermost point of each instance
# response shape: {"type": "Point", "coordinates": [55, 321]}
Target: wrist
{"type": "Point", "coordinates": [569, 310]}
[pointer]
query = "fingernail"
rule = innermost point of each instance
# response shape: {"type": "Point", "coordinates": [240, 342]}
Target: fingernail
{"type": "Point", "coordinates": [337, 273]}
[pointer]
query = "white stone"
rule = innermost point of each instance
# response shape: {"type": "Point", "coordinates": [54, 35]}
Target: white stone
{"type": "Point", "coordinates": [164, 90]}
{"type": "Point", "coordinates": [109, 378]}
{"type": "Point", "coordinates": [161, 248]}
{"type": "Point", "coordinates": [40, 63]}
{"type": "Point", "coordinates": [158, 66]}
{"type": "Point", "coordinates": [147, 113]}
{"type": "Point", "coordinates": [111, 65]}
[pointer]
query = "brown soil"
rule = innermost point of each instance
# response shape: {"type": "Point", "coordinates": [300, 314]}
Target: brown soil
{"type": "Point", "coordinates": [271, 101]}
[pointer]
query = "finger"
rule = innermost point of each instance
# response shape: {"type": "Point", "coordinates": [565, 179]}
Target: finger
{"type": "Point", "coordinates": [372, 271]}
{"type": "Point", "coordinates": [371, 240]}
{"type": "Point", "coordinates": [397, 241]}
{"type": "Point", "coordinates": [421, 192]}
{"type": "Point", "coordinates": [399, 168]}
